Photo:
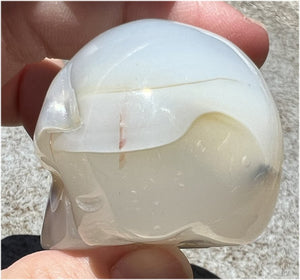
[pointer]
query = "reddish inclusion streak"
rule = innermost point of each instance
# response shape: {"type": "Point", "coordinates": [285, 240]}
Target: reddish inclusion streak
{"type": "Point", "coordinates": [122, 141]}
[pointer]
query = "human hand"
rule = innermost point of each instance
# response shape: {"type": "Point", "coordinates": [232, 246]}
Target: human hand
{"type": "Point", "coordinates": [32, 31]}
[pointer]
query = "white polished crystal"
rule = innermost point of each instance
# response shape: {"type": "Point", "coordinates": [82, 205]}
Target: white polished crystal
{"type": "Point", "coordinates": [159, 132]}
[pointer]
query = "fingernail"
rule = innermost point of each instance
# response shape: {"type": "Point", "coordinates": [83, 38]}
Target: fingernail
{"type": "Point", "coordinates": [260, 24]}
{"type": "Point", "coordinates": [154, 262]}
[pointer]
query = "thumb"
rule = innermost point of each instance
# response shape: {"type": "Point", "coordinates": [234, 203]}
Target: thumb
{"type": "Point", "coordinates": [130, 261]}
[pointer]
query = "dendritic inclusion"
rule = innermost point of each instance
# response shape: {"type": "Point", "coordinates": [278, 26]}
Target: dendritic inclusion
{"type": "Point", "coordinates": [159, 132]}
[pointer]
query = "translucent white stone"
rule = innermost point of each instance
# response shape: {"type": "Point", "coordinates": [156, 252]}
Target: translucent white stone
{"type": "Point", "coordinates": [159, 132]}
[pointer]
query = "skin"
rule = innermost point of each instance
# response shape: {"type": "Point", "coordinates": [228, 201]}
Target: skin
{"type": "Point", "coordinates": [32, 31]}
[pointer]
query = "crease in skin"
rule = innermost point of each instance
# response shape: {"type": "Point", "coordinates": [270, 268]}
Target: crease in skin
{"type": "Point", "coordinates": [162, 87]}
